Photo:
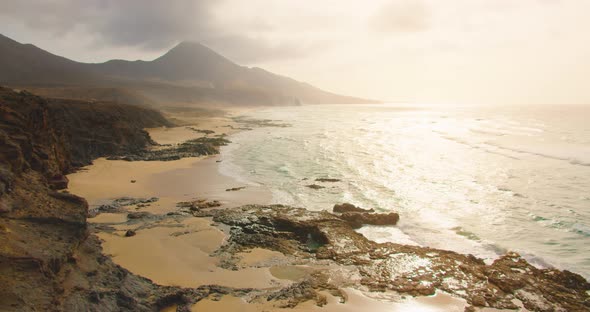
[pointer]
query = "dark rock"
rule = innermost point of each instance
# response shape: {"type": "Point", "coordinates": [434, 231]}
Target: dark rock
{"type": "Point", "coordinates": [118, 205]}
{"type": "Point", "coordinates": [259, 123]}
{"type": "Point", "coordinates": [327, 180]}
{"type": "Point", "coordinates": [133, 181]}
{"type": "Point", "coordinates": [412, 270]}
{"type": "Point", "coordinates": [315, 186]}
{"type": "Point", "coordinates": [206, 132]}
{"type": "Point", "coordinates": [130, 233]}
{"type": "Point", "coordinates": [357, 219]}
{"type": "Point", "coordinates": [346, 207]}
{"type": "Point", "coordinates": [138, 215]}
{"type": "Point", "coordinates": [233, 189]}
{"type": "Point", "coordinates": [191, 148]}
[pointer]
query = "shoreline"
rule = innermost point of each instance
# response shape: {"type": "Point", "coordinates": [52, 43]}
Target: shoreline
{"type": "Point", "coordinates": [152, 254]}
{"type": "Point", "coordinates": [182, 251]}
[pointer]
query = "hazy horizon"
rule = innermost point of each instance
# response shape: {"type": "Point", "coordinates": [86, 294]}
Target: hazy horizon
{"type": "Point", "coordinates": [420, 51]}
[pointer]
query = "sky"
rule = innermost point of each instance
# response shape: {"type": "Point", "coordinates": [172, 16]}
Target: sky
{"type": "Point", "coordinates": [416, 51]}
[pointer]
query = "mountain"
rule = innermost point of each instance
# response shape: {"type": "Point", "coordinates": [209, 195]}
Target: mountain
{"type": "Point", "coordinates": [189, 74]}
{"type": "Point", "coordinates": [27, 64]}
{"type": "Point", "coordinates": [185, 62]}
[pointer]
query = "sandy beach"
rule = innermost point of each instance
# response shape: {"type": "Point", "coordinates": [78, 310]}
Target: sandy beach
{"type": "Point", "coordinates": [158, 252]}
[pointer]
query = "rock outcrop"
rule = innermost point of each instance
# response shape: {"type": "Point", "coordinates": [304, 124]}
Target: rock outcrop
{"type": "Point", "coordinates": [325, 238]}
{"type": "Point", "coordinates": [192, 148]}
{"type": "Point", "coordinates": [346, 207]}
{"type": "Point", "coordinates": [358, 219]}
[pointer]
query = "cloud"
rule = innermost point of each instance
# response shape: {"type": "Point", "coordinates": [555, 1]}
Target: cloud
{"type": "Point", "coordinates": [246, 49]}
{"type": "Point", "coordinates": [402, 16]}
{"type": "Point", "coordinates": [150, 25]}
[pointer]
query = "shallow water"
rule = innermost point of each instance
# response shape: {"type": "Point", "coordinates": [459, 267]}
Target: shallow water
{"type": "Point", "coordinates": [479, 180]}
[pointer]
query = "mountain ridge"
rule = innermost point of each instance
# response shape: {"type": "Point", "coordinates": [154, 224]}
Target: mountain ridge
{"type": "Point", "coordinates": [188, 74]}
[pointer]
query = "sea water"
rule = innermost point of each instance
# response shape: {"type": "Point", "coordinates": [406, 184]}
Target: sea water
{"type": "Point", "coordinates": [475, 179]}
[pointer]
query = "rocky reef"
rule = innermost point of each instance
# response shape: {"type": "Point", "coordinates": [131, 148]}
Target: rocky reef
{"type": "Point", "coordinates": [324, 238]}
{"type": "Point", "coordinates": [192, 148]}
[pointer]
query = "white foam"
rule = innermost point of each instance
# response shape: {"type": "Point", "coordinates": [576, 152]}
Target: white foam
{"type": "Point", "coordinates": [386, 234]}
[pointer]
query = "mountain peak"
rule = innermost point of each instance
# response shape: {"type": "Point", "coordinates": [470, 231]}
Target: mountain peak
{"type": "Point", "coordinates": [192, 50]}
{"type": "Point", "coordinates": [189, 45]}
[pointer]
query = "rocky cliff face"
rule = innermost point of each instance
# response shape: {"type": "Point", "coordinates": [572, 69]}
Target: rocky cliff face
{"type": "Point", "coordinates": [48, 261]}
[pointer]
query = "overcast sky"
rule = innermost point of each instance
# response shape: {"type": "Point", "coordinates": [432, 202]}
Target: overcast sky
{"type": "Point", "coordinates": [424, 51]}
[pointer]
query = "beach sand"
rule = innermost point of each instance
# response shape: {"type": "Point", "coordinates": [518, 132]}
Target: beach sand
{"type": "Point", "coordinates": [158, 252]}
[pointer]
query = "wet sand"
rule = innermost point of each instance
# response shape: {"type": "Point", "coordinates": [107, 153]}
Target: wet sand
{"type": "Point", "coordinates": [355, 301]}
{"type": "Point", "coordinates": [179, 254]}
{"type": "Point", "coordinates": [171, 181]}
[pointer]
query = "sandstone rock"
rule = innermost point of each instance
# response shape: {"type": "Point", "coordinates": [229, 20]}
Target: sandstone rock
{"type": "Point", "coordinates": [346, 207]}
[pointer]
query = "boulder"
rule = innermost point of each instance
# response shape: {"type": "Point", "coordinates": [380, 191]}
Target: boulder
{"type": "Point", "coordinates": [358, 219]}
{"type": "Point", "coordinates": [346, 207]}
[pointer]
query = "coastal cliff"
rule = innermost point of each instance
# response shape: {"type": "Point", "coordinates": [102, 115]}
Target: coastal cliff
{"type": "Point", "coordinates": [48, 259]}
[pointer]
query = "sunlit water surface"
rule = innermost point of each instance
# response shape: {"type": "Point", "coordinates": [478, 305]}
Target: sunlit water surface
{"type": "Point", "coordinates": [479, 180]}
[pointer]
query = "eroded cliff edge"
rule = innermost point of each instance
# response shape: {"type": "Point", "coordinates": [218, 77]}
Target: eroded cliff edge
{"type": "Point", "coordinates": [48, 259]}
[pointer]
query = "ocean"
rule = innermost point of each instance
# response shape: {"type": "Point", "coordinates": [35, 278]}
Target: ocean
{"type": "Point", "coordinates": [472, 179]}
